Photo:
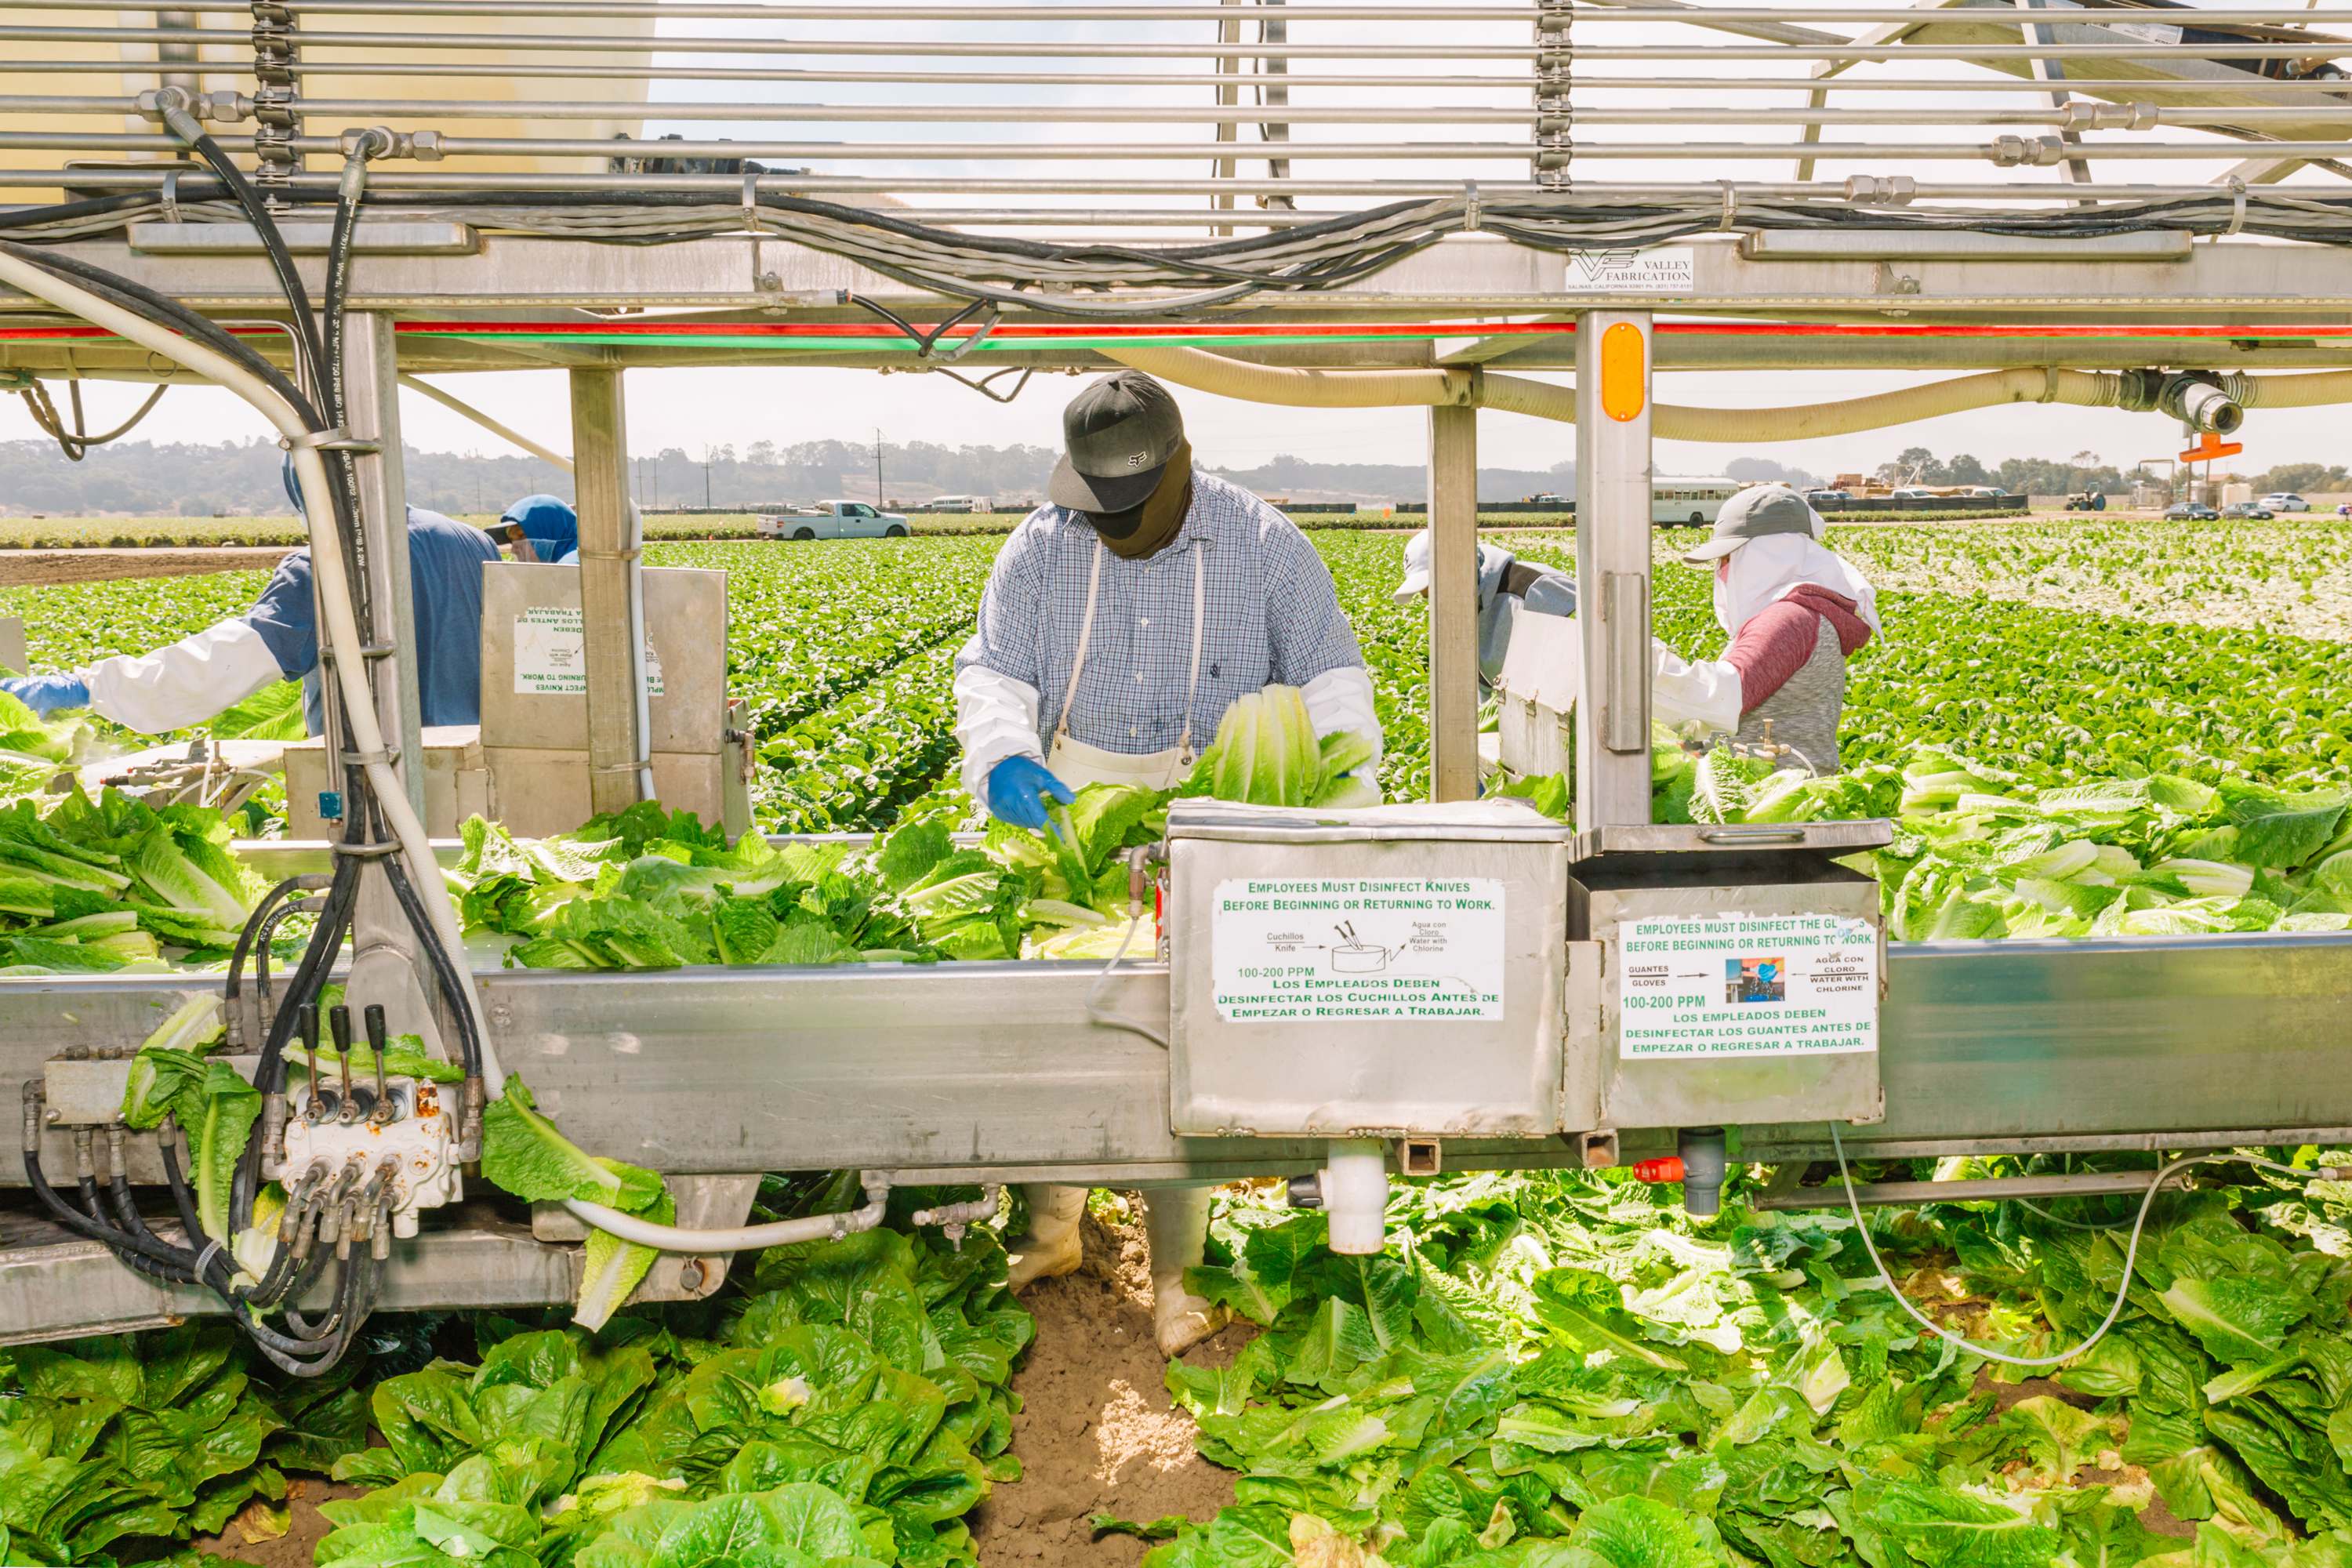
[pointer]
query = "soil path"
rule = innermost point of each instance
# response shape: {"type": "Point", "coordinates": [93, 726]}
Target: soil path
{"type": "Point", "coordinates": [44, 568]}
{"type": "Point", "coordinates": [1097, 1432]}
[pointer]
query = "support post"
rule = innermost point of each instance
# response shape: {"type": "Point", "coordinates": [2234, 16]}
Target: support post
{"type": "Point", "coordinates": [618, 771]}
{"type": "Point", "coordinates": [371, 410]}
{"type": "Point", "coordinates": [1612, 566]}
{"type": "Point", "coordinates": [388, 966]}
{"type": "Point", "coordinates": [1454, 603]}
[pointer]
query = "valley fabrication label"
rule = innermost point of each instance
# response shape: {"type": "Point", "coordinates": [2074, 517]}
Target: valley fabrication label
{"type": "Point", "coordinates": [551, 654]}
{"type": "Point", "coordinates": [1423, 950]}
{"type": "Point", "coordinates": [1747, 985]}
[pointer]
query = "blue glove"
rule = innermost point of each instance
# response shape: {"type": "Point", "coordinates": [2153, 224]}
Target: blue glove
{"type": "Point", "coordinates": [45, 694]}
{"type": "Point", "coordinates": [1012, 788]}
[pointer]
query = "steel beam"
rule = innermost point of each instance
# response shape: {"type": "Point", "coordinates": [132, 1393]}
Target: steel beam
{"type": "Point", "coordinates": [1468, 276]}
{"type": "Point", "coordinates": [1452, 604]}
{"type": "Point", "coordinates": [609, 605]}
{"type": "Point", "coordinates": [945, 1071]}
{"type": "Point", "coordinates": [1612, 567]}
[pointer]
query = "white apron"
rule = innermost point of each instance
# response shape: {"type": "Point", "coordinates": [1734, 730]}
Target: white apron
{"type": "Point", "coordinates": [1077, 764]}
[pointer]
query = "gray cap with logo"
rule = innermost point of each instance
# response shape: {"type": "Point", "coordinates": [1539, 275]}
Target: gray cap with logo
{"type": "Point", "coordinates": [1117, 437]}
{"type": "Point", "coordinates": [1755, 512]}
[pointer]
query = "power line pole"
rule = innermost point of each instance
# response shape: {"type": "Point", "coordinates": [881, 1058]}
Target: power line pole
{"type": "Point", "coordinates": [878, 468]}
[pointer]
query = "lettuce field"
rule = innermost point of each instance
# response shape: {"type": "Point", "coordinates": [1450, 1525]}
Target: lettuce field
{"type": "Point", "coordinates": [2109, 728]}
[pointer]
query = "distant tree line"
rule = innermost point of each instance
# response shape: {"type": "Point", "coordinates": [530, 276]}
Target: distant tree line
{"type": "Point", "coordinates": [2050, 476]}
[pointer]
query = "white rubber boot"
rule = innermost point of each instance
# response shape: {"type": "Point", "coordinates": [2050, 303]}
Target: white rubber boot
{"type": "Point", "coordinates": [1176, 1227]}
{"type": "Point", "coordinates": [1050, 1248]}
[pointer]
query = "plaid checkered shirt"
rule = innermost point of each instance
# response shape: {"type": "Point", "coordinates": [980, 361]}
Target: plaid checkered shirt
{"type": "Point", "coordinates": [1271, 617]}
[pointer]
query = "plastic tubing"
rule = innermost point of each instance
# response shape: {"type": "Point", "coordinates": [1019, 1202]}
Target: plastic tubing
{"type": "Point", "coordinates": [742, 1239]}
{"type": "Point", "coordinates": [1227, 377]}
{"type": "Point", "coordinates": [334, 593]}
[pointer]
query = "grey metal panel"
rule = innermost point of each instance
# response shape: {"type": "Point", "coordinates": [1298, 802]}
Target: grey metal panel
{"type": "Point", "coordinates": [305, 238]}
{"type": "Point", "coordinates": [1841, 244]}
{"type": "Point", "coordinates": [686, 621]}
{"type": "Point", "coordinates": [1629, 838]}
{"type": "Point", "coordinates": [1712, 1091]}
{"type": "Point", "coordinates": [959, 1069]}
{"type": "Point", "coordinates": [1328, 1076]}
{"type": "Point", "coordinates": [2006, 1039]}
{"type": "Point", "coordinates": [76, 1287]}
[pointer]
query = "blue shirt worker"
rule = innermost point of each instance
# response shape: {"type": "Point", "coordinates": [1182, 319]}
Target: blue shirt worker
{"type": "Point", "coordinates": [1120, 620]}
{"type": "Point", "coordinates": [199, 676]}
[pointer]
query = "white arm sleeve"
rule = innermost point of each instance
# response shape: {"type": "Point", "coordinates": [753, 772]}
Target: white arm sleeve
{"type": "Point", "coordinates": [185, 684]}
{"type": "Point", "coordinates": [1680, 691]}
{"type": "Point", "coordinates": [1341, 699]}
{"type": "Point", "coordinates": [996, 718]}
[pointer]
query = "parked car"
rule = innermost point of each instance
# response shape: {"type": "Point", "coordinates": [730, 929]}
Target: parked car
{"type": "Point", "coordinates": [833, 520]}
{"type": "Point", "coordinates": [2246, 509]}
{"type": "Point", "coordinates": [1986, 492]}
{"type": "Point", "coordinates": [2285, 501]}
{"type": "Point", "coordinates": [2190, 511]}
{"type": "Point", "coordinates": [1820, 498]}
{"type": "Point", "coordinates": [1912, 493]}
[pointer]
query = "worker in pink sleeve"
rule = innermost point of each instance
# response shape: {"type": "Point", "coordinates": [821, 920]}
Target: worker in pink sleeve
{"type": "Point", "coordinates": [1795, 611]}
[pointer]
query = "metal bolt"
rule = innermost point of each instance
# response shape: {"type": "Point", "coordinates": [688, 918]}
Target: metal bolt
{"type": "Point", "coordinates": [690, 1274]}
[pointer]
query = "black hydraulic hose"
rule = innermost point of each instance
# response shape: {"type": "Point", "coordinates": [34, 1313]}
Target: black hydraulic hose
{"type": "Point", "coordinates": [182, 1199]}
{"type": "Point", "coordinates": [233, 987]}
{"type": "Point", "coordinates": [310, 978]}
{"type": "Point", "coordinates": [289, 281]}
{"type": "Point", "coordinates": [126, 1215]}
{"type": "Point", "coordinates": [82, 1226]}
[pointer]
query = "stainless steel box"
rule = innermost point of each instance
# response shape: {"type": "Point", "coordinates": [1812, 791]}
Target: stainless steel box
{"type": "Point", "coordinates": [1698, 877]}
{"type": "Point", "coordinates": [1390, 970]}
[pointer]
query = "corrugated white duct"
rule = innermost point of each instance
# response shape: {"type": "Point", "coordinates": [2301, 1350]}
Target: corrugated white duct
{"type": "Point", "coordinates": [1206, 371]}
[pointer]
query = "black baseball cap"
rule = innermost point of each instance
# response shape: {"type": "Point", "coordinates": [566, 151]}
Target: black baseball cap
{"type": "Point", "coordinates": [1116, 438]}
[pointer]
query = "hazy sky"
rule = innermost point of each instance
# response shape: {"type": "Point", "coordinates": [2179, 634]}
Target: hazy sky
{"type": "Point", "coordinates": [701, 408]}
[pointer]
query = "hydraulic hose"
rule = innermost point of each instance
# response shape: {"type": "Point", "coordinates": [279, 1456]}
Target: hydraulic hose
{"type": "Point", "coordinates": [742, 1239]}
{"type": "Point", "coordinates": [1228, 377]}
{"type": "Point", "coordinates": [334, 593]}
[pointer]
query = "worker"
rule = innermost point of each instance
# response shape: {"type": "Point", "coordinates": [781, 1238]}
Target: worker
{"type": "Point", "coordinates": [199, 676]}
{"type": "Point", "coordinates": [1507, 587]}
{"type": "Point", "coordinates": [1795, 612]}
{"type": "Point", "coordinates": [1120, 621]}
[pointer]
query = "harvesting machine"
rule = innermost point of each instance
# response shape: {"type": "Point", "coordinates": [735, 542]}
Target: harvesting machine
{"type": "Point", "coordinates": [1448, 984]}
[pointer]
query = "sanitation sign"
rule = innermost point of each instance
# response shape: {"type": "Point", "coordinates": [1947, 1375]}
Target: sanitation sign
{"type": "Point", "coordinates": [1412, 950]}
{"type": "Point", "coordinates": [551, 655]}
{"type": "Point", "coordinates": [1747, 985]}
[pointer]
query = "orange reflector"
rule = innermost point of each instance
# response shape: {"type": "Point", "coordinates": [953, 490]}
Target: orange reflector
{"type": "Point", "coordinates": [2210, 446]}
{"type": "Point", "coordinates": [1622, 371]}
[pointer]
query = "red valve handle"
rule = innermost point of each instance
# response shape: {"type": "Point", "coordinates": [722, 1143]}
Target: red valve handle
{"type": "Point", "coordinates": [1668, 1169]}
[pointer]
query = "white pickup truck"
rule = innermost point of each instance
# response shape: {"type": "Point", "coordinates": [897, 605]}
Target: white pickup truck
{"type": "Point", "coordinates": [833, 520]}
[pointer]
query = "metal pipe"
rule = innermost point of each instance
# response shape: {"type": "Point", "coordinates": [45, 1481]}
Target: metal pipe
{"type": "Point", "coordinates": [1092, 152]}
{"type": "Point", "coordinates": [742, 1239]}
{"type": "Point", "coordinates": [700, 10]}
{"type": "Point", "coordinates": [1881, 1195]}
{"type": "Point", "coordinates": [427, 388]}
{"type": "Point", "coordinates": [1107, 114]}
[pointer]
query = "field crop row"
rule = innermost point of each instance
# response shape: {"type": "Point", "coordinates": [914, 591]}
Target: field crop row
{"type": "Point", "coordinates": [846, 650]}
{"type": "Point", "coordinates": [2293, 574]}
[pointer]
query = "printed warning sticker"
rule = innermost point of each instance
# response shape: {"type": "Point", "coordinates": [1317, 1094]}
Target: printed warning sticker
{"type": "Point", "coordinates": [1747, 985]}
{"type": "Point", "coordinates": [1415, 949]}
{"type": "Point", "coordinates": [551, 654]}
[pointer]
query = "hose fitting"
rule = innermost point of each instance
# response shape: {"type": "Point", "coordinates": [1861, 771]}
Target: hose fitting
{"type": "Point", "coordinates": [1704, 1161]}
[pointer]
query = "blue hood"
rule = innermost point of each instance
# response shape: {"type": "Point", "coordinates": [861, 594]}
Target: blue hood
{"type": "Point", "coordinates": [551, 525]}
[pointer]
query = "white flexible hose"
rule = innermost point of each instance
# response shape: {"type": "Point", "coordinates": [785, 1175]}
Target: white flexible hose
{"type": "Point", "coordinates": [2123, 1290]}
{"type": "Point", "coordinates": [1228, 377]}
{"type": "Point", "coordinates": [448, 401]}
{"type": "Point", "coordinates": [742, 1239]}
{"type": "Point", "coordinates": [334, 595]}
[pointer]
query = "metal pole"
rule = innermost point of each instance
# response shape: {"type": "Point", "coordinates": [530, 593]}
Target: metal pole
{"type": "Point", "coordinates": [372, 402]}
{"type": "Point", "coordinates": [608, 558]}
{"type": "Point", "coordinates": [1612, 566]}
{"type": "Point", "coordinates": [1227, 94]}
{"type": "Point", "coordinates": [1272, 32]}
{"type": "Point", "coordinates": [387, 965]}
{"type": "Point", "coordinates": [1454, 603]}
